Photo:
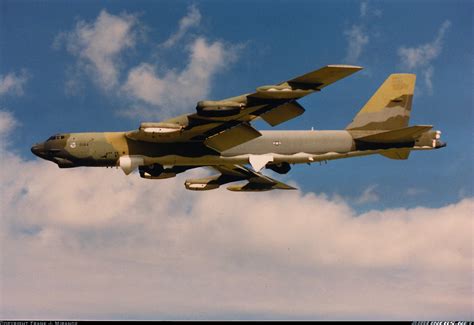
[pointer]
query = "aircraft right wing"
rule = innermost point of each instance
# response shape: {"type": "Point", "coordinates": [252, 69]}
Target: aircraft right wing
{"type": "Point", "coordinates": [224, 124]}
{"type": "Point", "coordinates": [257, 182]}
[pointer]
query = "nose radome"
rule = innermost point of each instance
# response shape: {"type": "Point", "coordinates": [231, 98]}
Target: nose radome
{"type": "Point", "coordinates": [36, 149]}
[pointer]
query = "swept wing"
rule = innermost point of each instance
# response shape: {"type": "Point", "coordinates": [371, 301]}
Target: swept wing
{"type": "Point", "coordinates": [232, 173]}
{"type": "Point", "coordinates": [223, 124]}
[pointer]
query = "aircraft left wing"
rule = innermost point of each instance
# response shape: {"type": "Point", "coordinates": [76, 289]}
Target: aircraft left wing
{"type": "Point", "coordinates": [223, 124]}
{"type": "Point", "coordinates": [257, 182]}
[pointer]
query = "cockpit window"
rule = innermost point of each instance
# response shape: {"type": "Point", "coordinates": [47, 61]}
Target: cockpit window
{"type": "Point", "coordinates": [55, 137]}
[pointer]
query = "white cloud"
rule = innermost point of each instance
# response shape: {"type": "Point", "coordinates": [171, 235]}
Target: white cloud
{"type": "Point", "coordinates": [363, 9]}
{"type": "Point", "coordinates": [192, 19]}
{"type": "Point", "coordinates": [359, 35]}
{"type": "Point", "coordinates": [7, 122]}
{"type": "Point", "coordinates": [98, 45]}
{"type": "Point", "coordinates": [421, 57]}
{"type": "Point", "coordinates": [13, 83]}
{"type": "Point", "coordinates": [179, 91]}
{"type": "Point", "coordinates": [367, 11]}
{"type": "Point", "coordinates": [368, 196]}
{"type": "Point", "coordinates": [428, 78]}
{"type": "Point", "coordinates": [106, 245]}
{"type": "Point", "coordinates": [357, 39]}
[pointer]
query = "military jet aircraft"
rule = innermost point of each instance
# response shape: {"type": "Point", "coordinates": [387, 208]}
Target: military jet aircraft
{"type": "Point", "coordinates": [219, 135]}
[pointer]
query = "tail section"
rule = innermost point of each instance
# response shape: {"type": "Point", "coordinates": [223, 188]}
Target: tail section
{"type": "Point", "coordinates": [397, 154]}
{"type": "Point", "coordinates": [406, 134]}
{"type": "Point", "coordinates": [389, 108]}
{"type": "Point", "coordinates": [397, 144]}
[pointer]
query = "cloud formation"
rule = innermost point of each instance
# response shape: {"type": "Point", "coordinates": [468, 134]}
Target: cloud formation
{"type": "Point", "coordinates": [179, 91]}
{"type": "Point", "coordinates": [192, 19]}
{"type": "Point", "coordinates": [421, 57]}
{"type": "Point", "coordinates": [358, 35]}
{"type": "Point", "coordinates": [13, 83]}
{"type": "Point", "coordinates": [357, 39]}
{"type": "Point", "coordinates": [366, 10]}
{"type": "Point", "coordinates": [106, 245]}
{"type": "Point", "coordinates": [99, 45]}
{"type": "Point", "coordinates": [368, 196]}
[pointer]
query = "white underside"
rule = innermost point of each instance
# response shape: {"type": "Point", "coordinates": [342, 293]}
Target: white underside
{"type": "Point", "coordinates": [129, 163]}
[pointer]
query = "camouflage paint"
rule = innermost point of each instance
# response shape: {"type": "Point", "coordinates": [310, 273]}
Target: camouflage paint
{"type": "Point", "coordinates": [220, 135]}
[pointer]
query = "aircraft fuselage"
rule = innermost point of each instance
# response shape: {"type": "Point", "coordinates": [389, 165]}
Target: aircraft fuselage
{"type": "Point", "coordinates": [106, 148]}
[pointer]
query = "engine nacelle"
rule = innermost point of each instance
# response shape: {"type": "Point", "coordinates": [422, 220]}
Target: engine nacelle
{"type": "Point", "coordinates": [156, 171]}
{"type": "Point", "coordinates": [196, 186]}
{"type": "Point", "coordinates": [283, 91]}
{"type": "Point", "coordinates": [220, 108]}
{"type": "Point", "coordinates": [281, 168]}
{"type": "Point", "coordinates": [160, 128]}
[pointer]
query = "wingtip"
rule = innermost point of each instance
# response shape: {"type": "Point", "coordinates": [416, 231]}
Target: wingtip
{"type": "Point", "coordinates": [345, 66]}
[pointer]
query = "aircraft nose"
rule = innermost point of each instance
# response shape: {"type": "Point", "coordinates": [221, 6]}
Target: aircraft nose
{"type": "Point", "coordinates": [37, 149]}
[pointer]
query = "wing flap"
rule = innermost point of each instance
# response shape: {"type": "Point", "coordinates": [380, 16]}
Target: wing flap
{"type": "Point", "coordinates": [283, 113]}
{"type": "Point", "coordinates": [232, 137]}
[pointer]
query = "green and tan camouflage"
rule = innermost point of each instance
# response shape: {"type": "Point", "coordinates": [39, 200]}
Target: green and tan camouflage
{"type": "Point", "coordinates": [220, 135]}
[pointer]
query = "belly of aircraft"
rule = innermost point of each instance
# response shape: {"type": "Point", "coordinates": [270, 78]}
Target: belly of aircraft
{"type": "Point", "coordinates": [282, 146]}
{"type": "Point", "coordinates": [293, 142]}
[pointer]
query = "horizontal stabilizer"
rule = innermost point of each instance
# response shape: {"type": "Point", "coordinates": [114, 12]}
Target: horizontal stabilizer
{"type": "Point", "coordinates": [398, 154]}
{"type": "Point", "coordinates": [407, 134]}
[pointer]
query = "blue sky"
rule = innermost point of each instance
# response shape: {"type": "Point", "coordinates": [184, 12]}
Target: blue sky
{"type": "Point", "coordinates": [274, 41]}
{"type": "Point", "coordinates": [58, 73]}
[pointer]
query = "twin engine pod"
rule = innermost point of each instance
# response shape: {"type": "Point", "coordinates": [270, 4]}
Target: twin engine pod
{"type": "Point", "coordinates": [220, 108]}
{"type": "Point", "coordinates": [160, 128]}
{"type": "Point", "coordinates": [156, 171]}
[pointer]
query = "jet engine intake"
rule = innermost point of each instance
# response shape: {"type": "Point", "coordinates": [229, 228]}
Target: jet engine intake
{"type": "Point", "coordinates": [200, 186]}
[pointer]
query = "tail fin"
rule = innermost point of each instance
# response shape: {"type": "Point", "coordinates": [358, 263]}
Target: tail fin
{"type": "Point", "coordinates": [389, 108]}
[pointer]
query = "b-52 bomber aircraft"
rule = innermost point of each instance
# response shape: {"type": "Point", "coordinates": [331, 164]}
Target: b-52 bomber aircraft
{"type": "Point", "coordinates": [219, 135]}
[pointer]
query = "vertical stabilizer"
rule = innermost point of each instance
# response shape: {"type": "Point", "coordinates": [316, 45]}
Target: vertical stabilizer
{"type": "Point", "coordinates": [389, 108]}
